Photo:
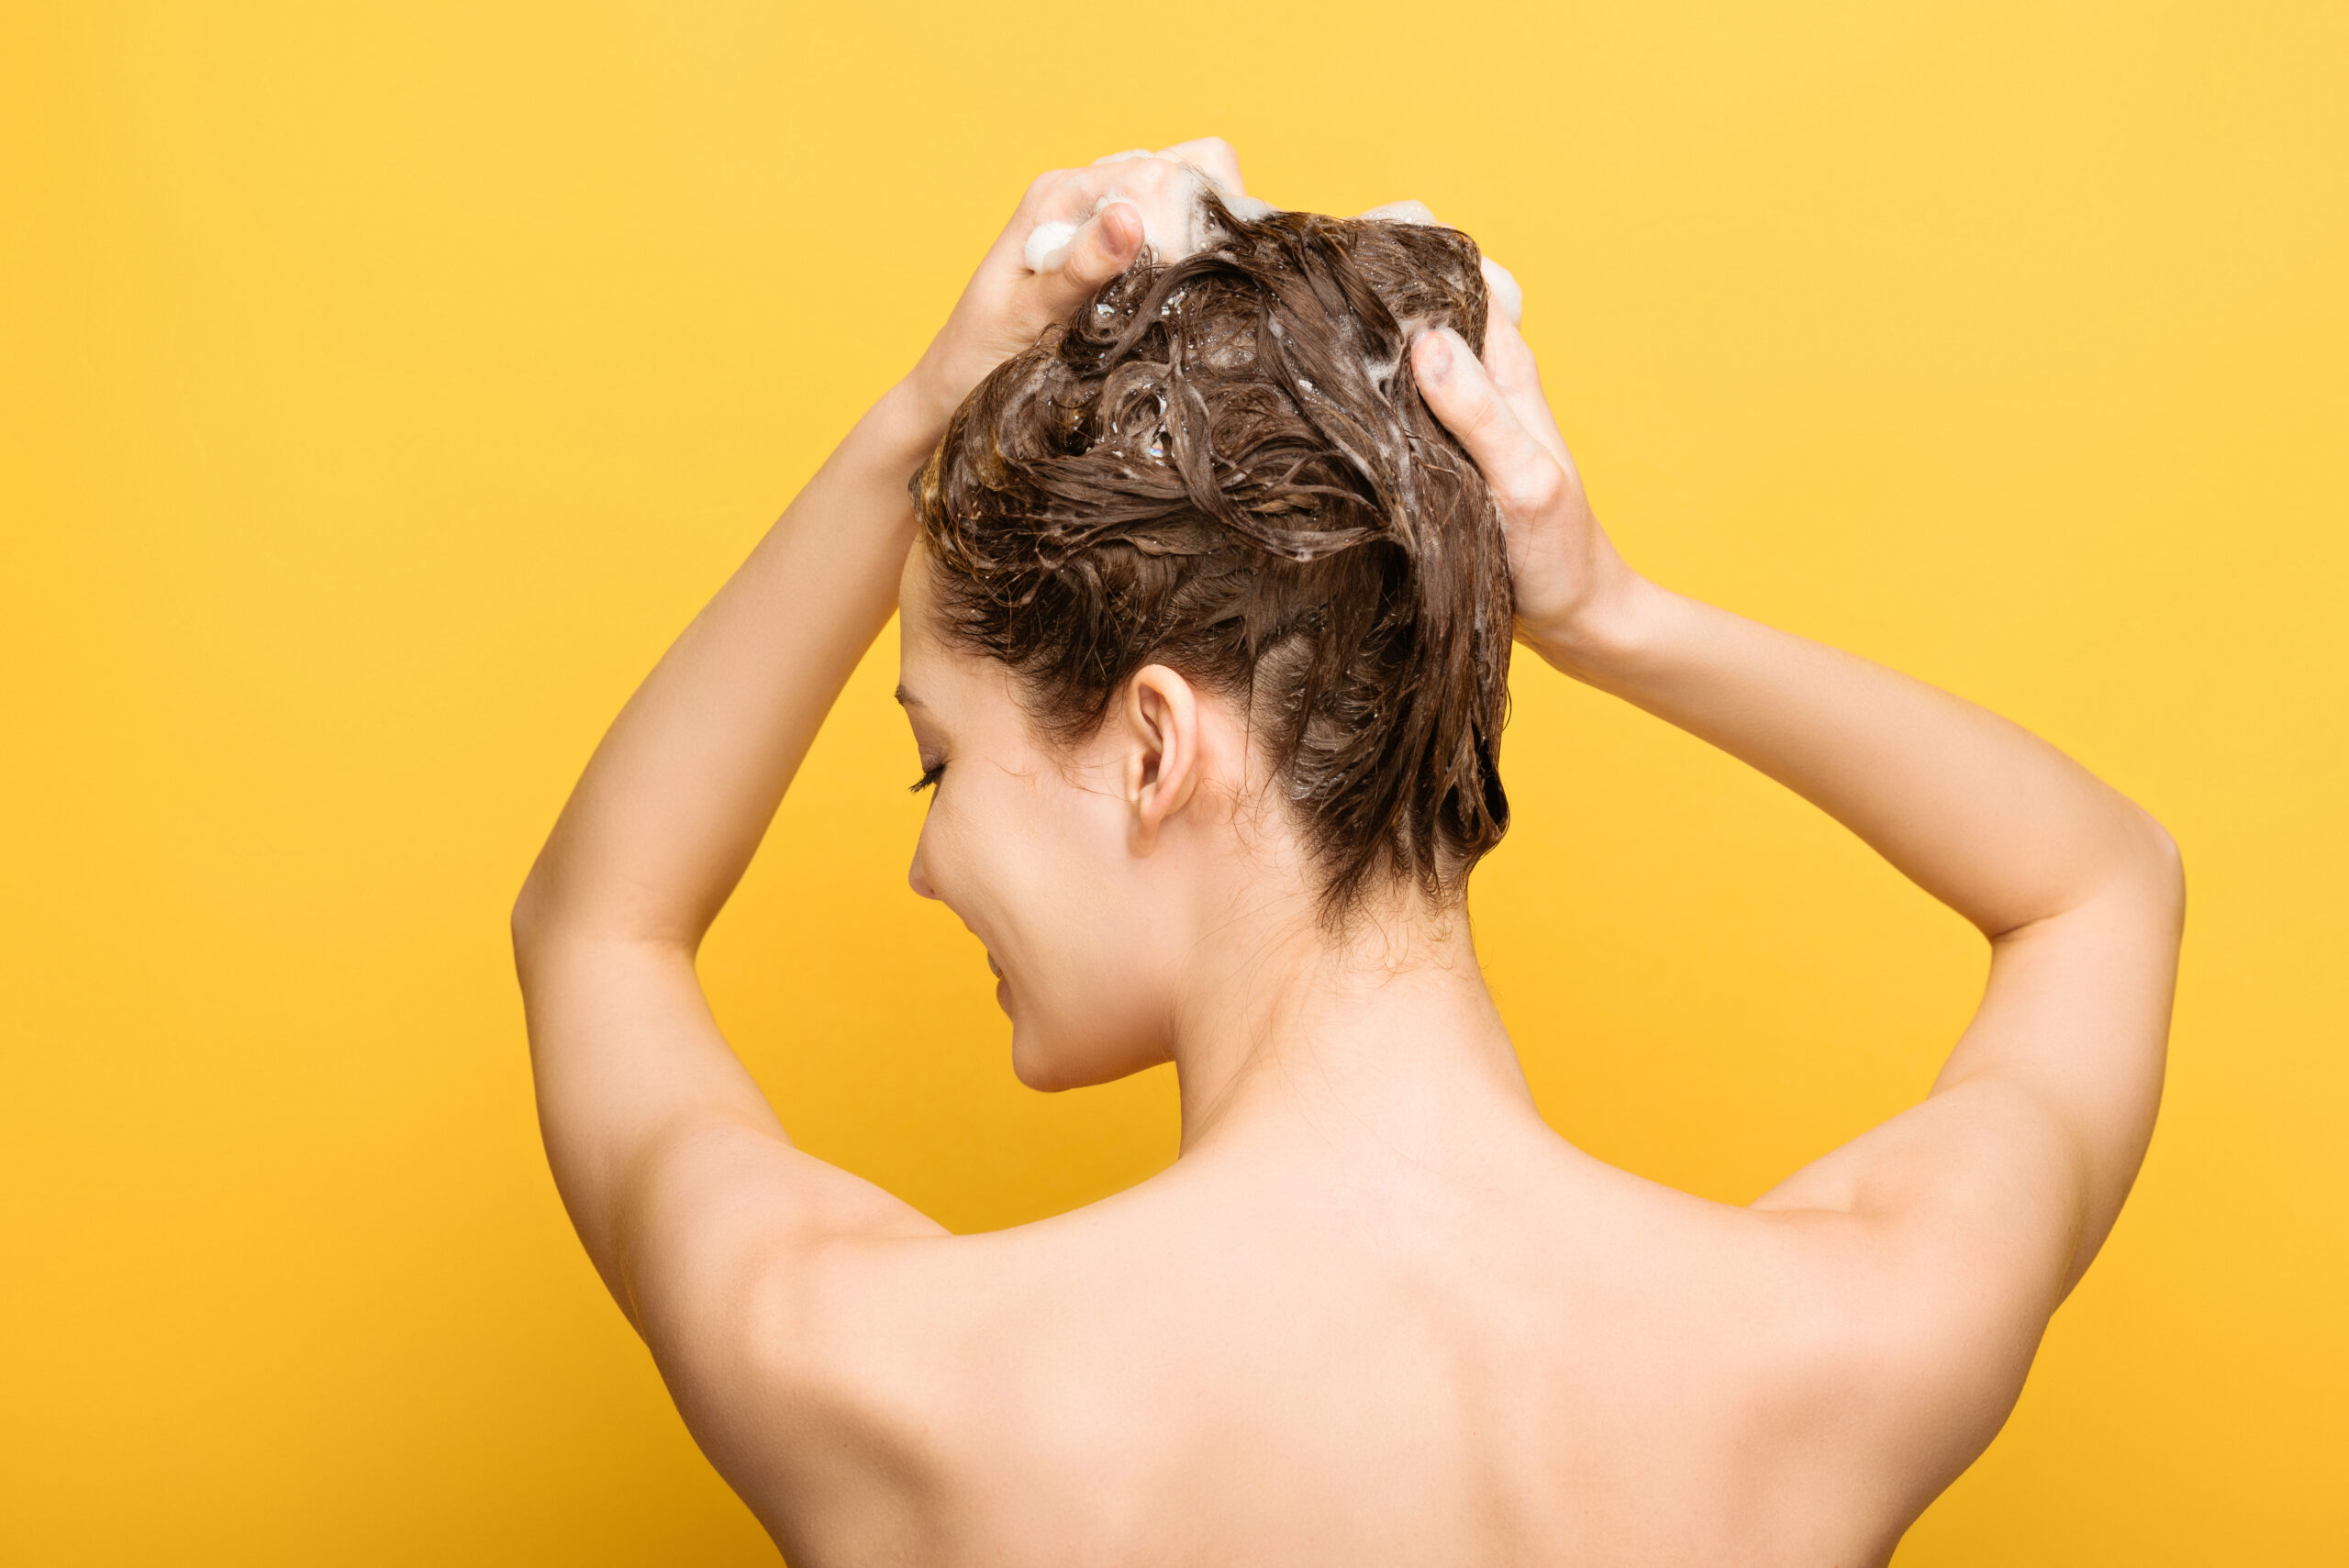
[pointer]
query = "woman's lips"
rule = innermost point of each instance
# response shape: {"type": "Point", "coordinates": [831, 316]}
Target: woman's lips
{"type": "Point", "coordinates": [994, 968]}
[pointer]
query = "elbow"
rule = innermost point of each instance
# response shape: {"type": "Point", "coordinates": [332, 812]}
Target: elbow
{"type": "Point", "coordinates": [2128, 861]}
{"type": "Point", "coordinates": [559, 908]}
{"type": "Point", "coordinates": [2159, 865]}
{"type": "Point", "coordinates": [530, 918]}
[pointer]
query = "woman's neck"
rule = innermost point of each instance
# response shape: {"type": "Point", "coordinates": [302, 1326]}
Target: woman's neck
{"type": "Point", "coordinates": [1386, 1030]}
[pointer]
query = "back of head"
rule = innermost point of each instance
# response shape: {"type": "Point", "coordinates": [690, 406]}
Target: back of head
{"type": "Point", "coordinates": [1223, 465]}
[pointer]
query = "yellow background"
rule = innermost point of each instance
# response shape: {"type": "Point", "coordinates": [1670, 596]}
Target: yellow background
{"type": "Point", "coordinates": [385, 383]}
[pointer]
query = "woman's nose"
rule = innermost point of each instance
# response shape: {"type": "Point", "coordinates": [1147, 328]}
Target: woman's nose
{"type": "Point", "coordinates": [917, 878]}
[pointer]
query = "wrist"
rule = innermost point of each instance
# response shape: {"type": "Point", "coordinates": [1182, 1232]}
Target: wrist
{"type": "Point", "coordinates": [1604, 631]}
{"type": "Point", "coordinates": [925, 395]}
{"type": "Point", "coordinates": [907, 420]}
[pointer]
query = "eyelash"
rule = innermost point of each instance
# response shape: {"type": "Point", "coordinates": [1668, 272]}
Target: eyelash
{"type": "Point", "coordinates": [927, 780]}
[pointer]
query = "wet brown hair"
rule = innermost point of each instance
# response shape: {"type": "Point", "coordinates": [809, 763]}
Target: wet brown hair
{"type": "Point", "coordinates": [1222, 465]}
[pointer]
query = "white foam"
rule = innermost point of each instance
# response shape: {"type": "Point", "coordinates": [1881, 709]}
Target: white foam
{"type": "Point", "coordinates": [1400, 212]}
{"type": "Point", "coordinates": [1047, 246]}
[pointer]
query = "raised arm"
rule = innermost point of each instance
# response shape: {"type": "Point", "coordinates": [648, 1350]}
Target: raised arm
{"type": "Point", "coordinates": [675, 1171]}
{"type": "Point", "coordinates": [631, 1069]}
{"type": "Point", "coordinates": [2009, 1176]}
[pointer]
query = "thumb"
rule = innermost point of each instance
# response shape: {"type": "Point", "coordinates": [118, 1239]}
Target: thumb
{"type": "Point", "coordinates": [1522, 474]}
{"type": "Point", "coordinates": [1104, 247]}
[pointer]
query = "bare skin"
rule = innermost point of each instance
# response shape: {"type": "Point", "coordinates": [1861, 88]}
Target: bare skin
{"type": "Point", "coordinates": [1376, 1311]}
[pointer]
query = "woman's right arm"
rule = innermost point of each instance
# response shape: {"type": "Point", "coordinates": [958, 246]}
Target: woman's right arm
{"type": "Point", "coordinates": [2011, 1173]}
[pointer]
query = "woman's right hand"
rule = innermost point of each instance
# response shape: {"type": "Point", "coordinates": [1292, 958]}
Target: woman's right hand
{"type": "Point", "coordinates": [1006, 306]}
{"type": "Point", "coordinates": [1574, 593]}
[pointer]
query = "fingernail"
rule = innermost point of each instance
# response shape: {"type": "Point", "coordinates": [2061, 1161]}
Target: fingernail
{"type": "Point", "coordinates": [1435, 359]}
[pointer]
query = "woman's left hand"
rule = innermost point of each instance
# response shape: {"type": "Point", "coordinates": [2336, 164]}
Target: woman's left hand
{"type": "Point", "coordinates": [1115, 204]}
{"type": "Point", "coordinates": [1570, 585]}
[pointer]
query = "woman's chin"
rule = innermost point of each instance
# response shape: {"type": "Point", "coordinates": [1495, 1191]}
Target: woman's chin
{"type": "Point", "coordinates": [1050, 1071]}
{"type": "Point", "coordinates": [1039, 1068]}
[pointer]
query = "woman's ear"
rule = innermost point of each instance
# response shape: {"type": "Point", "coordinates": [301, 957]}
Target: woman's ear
{"type": "Point", "coordinates": [1161, 720]}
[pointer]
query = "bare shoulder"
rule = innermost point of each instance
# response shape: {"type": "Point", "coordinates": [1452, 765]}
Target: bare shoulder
{"type": "Point", "coordinates": [1883, 1353]}
{"type": "Point", "coordinates": [1818, 1377]}
{"type": "Point", "coordinates": [870, 1385]}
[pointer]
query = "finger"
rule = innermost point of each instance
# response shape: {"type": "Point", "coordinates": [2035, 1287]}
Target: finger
{"type": "Point", "coordinates": [1151, 183]}
{"type": "Point", "coordinates": [1508, 360]}
{"type": "Point", "coordinates": [1215, 158]}
{"type": "Point", "coordinates": [1510, 366]}
{"type": "Point", "coordinates": [1041, 191]}
{"type": "Point", "coordinates": [1500, 284]}
{"type": "Point", "coordinates": [1068, 212]}
{"type": "Point", "coordinates": [1523, 473]}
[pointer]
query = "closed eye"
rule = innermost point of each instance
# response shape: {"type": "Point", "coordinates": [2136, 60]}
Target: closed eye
{"type": "Point", "coordinates": [928, 779]}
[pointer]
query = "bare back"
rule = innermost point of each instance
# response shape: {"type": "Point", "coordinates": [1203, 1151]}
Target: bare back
{"type": "Point", "coordinates": [1342, 1356]}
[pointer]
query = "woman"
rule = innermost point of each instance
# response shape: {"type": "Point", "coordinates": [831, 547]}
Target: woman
{"type": "Point", "coordinates": [1204, 618]}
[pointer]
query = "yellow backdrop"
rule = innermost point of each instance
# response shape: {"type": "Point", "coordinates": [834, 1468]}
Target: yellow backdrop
{"type": "Point", "coordinates": [385, 383]}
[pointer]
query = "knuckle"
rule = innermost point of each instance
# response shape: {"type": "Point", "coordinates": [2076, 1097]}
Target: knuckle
{"type": "Point", "coordinates": [1541, 485]}
{"type": "Point", "coordinates": [1045, 184]}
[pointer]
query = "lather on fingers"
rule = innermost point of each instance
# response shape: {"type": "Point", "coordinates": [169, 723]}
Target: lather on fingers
{"type": "Point", "coordinates": [1164, 189]}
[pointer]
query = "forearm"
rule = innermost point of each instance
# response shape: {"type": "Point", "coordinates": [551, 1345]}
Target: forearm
{"type": "Point", "coordinates": [1996, 823]}
{"type": "Point", "coordinates": [627, 1059]}
{"type": "Point", "coordinates": [671, 808]}
{"type": "Point", "coordinates": [2078, 890]}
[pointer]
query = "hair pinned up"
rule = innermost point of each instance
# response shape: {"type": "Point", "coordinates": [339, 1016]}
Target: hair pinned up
{"type": "Point", "coordinates": [1223, 464]}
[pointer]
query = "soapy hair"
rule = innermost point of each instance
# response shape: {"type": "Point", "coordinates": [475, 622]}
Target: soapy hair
{"type": "Point", "coordinates": [1222, 463]}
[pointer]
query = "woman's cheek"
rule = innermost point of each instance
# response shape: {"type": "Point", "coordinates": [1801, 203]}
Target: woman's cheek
{"type": "Point", "coordinates": [1003, 865]}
